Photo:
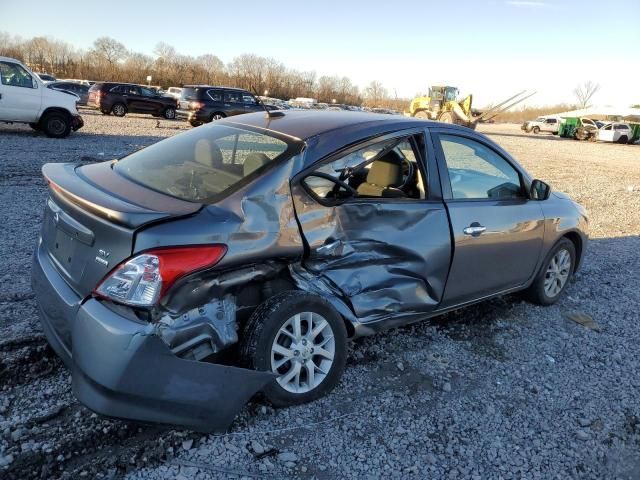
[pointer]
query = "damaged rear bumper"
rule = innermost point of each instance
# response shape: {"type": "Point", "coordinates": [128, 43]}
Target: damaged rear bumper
{"type": "Point", "coordinates": [122, 368]}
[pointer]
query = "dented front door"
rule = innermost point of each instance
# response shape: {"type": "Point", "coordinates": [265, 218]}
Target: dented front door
{"type": "Point", "coordinates": [384, 257]}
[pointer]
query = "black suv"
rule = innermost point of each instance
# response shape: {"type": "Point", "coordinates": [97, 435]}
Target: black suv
{"type": "Point", "coordinates": [123, 98]}
{"type": "Point", "coordinates": [203, 103]}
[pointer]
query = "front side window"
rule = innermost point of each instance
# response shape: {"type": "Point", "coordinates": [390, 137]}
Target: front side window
{"type": "Point", "coordinates": [147, 92]}
{"type": "Point", "coordinates": [477, 172]}
{"type": "Point", "coordinates": [387, 169]}
{"type": "Point", "coordinates": [204, 164]}
{"type": "Point", "coordinates": [249, 99]}
{"type": "Point", "coordinates": [14, 75]}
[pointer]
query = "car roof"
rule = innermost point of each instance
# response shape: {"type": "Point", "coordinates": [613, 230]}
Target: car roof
{"type": "Point", "coordinates": [216, 86]}
{"type": "Point", "coordinates": [304, 124]}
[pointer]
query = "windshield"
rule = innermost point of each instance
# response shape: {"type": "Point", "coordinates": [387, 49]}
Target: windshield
{"type": "Point", "coordinates": [205, 164]}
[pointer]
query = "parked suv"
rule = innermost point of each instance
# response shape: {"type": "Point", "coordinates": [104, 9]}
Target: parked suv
{"type": "Point", "coordinates": [542, 124]}
{"type": "Point", "coordinates": [203, 103]}
{"type": "Point", "coordinates": [123, 98]}
{"type": "Point", "coordinates": [615, 132]}
{"type": "Point", "coordinates": [24, 98]}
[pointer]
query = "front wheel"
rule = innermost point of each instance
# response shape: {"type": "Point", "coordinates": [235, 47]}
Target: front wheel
{"type": "Point", "coordinates": [536, 130]}
{"type": "Point", "coordinates": [56, 125]}
{"type": "Point", "coordinates": [554, 275]}
{"type": "Point", "coordinates": [303, 340]}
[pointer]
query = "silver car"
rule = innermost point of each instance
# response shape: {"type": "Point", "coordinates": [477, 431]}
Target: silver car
{"type": "Point", "coordinates": [241, 256]}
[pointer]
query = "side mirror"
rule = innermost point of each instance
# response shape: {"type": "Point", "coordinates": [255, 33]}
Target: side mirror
{"type": "Point", "coordinates": [539, 190]}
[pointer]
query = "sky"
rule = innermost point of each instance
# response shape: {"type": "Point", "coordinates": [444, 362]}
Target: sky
{"type": "Point", "coordinates": [491, 48]}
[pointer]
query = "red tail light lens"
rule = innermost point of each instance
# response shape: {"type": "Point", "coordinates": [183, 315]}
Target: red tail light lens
{"type": "Point", "coordinates": [144, 279]}
{"type": "Point", "coordinates": [195, 105]}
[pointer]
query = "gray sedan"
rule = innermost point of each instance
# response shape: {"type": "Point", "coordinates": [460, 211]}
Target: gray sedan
{"type": "Point", "coordinates": [241, 256]}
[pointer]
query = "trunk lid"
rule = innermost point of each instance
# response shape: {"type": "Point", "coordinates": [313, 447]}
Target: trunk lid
{"type": "Point", "coordinates": [91, 217]}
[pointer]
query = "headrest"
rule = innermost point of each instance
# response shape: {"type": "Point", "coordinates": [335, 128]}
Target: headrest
{"type": "Point", "coordinates": [384, 174]}
{"type": "Point", "coordinates": [208, 153]}
{"type": "Point", "coordinates": [254, 161]}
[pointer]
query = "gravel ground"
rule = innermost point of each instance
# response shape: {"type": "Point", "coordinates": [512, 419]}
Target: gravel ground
{"type": "Point", "coordinates": [499, 390]}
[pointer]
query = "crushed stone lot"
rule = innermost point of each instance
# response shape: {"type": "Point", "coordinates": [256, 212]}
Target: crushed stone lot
{"type": "Point", "coordinates": [504, 389]}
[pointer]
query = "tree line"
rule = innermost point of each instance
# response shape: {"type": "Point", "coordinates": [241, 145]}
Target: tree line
{"type": "Point", "coordinates": [109, 59]}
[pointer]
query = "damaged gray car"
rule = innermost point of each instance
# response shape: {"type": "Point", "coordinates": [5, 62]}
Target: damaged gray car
{"type": "Point", "coordinates": [241, 256]}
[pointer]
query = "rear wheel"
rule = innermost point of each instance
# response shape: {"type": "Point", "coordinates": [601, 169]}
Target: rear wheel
{"type": "Point", "coordinates": [56, 124]}
{"type": "Point", "coordinates": [554, 275]}
{"type": "Point", "coordinates": [423, 114]}
{"type": "Point", "coordinates": [119, 110]}
{"type": "Point", "coordinates": [536, 130]}
{"type": "Point", "coordinates": [169, 113]}
{"type": "Point", "coordinates": [217, 116]}
{"type": "Point", "coordinates": [623, 140]}
{"type": "Point", "coordinates": [302, 339]}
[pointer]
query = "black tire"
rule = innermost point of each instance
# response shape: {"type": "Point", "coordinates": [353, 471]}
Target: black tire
{"type": "Point", "coordinates": [536, 292]}
{"type": "Point", "coordinates": [447, 117]}
{"type": "Point", "coordinates": [422, 114]}
{"type": "Point", "coordinates": [264, 325]}
{"type": "Point", "coordinates": [169, 113]}
{"type": "Point", "coordinates": [194, 123]}
{"type": "Point", "coordinates": [536, 130]}
{"type": "Point", "coordinates": [56, 124]}
{"type": "Point", "coordinates": [217, 116]}
{"type": "Point", "coordinates": [119, 109]}
{"type": "Point", "coordinates": [623, 140]}
{"type": "Point", "coordinates": [35, 126]}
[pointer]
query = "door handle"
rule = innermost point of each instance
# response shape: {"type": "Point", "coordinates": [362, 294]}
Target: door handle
{"type": "Point", "coordinates": [474, 229]}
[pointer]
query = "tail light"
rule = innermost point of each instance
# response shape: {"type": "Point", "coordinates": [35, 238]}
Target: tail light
{"type": "Point", "coordinates": [195, 105]}
{"type": "Point", "coordinates": [144, 279]}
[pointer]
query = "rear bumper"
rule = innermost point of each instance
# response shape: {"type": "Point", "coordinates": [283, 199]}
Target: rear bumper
{"type": "Point", "coordinates": [192, 116]}
{"type": "Point", "coordinates": [121, 368]}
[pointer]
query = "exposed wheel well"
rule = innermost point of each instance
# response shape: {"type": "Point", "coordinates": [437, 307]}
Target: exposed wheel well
{"type": "Point", "coordinates": [49, 110]}
{"type": "Point", "coordinates": [577, 243]}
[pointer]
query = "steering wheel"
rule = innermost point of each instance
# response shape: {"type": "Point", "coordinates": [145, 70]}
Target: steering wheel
{"type": "Point", "coordinates": [336, 181]}
{"type": "Point", "coordinates": [409, 176]}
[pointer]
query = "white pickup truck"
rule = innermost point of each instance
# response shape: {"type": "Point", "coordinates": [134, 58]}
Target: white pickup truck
{"type": "Point", "coordinates": [542, 124]}
{"type": "Point", "coordinates": [25, 99]}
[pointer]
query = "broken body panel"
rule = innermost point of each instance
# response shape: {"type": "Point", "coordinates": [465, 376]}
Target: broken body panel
{"type": "Point", "coordinates": [379, 262]}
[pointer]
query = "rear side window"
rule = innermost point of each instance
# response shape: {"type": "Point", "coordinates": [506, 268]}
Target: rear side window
{"type": "Point", "coordinates": [204, 164]}
{"type": "Point", "coordinates": [232, 97]}
{"type": "Point", "coordinates": [215, 95]}
{"type": "Point", "coordinates": [621, 127]}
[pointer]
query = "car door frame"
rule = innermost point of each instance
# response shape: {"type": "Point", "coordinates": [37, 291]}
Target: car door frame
{"type": "Point", "coordinates": [447, 197]}
{"type": "Point", "coordinates": [433, 198]}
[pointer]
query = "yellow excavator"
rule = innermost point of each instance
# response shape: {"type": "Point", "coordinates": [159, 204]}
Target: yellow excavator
{"type": "Point", "coordinates": [442, 104]}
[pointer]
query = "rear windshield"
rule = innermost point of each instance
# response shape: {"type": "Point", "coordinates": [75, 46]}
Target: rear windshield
{"type": "Point", "coordinates": [204, 164]}
{"type": "Point", "coordinates": [192, 93]}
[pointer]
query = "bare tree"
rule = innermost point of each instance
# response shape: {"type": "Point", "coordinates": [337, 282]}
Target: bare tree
{"type": "Point", "coordinates": [584, 92]}
{"type": "Point", "coordinates": [375, 93]}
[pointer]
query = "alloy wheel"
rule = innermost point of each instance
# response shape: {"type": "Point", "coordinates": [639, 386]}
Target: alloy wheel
{"type": "Point", "coordinates": [557, 273]}
{"type": "Point", "coordinates": [303, 352]}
